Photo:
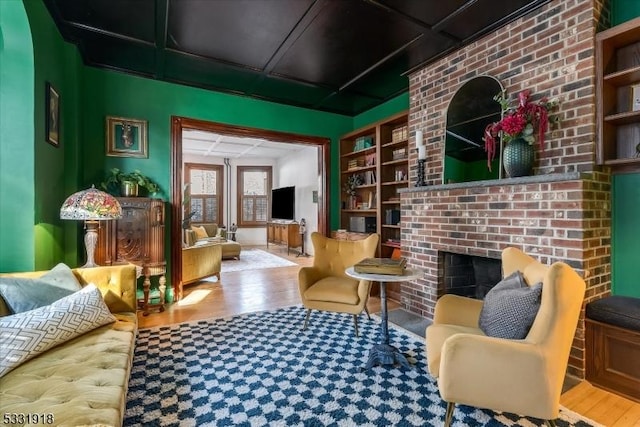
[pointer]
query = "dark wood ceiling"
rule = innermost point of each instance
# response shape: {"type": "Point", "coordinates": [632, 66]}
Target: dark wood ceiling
{"type": "Point", "coordinates": [341, 56]}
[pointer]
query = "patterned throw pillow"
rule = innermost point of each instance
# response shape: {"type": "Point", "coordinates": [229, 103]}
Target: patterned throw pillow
{"type": "Point", "coordinates": [200, 231]}
{"type": "Point", "coordinates": [510, 307]}
{"type": "Point", "coordinates": [28, 334]}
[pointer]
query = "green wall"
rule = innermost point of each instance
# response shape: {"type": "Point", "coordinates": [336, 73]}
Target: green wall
{"type": "Point", "coordinates": [17, 246]}
{"type": "Point", "coordinates": [624, 10]}
{"type": "Point", "coordinates": [625, 233]}
{"type": "Point", "coordinates": [56, 168]}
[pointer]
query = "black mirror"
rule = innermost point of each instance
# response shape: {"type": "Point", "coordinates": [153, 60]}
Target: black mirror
{"type": "Point", "coordinates": [471, 109]}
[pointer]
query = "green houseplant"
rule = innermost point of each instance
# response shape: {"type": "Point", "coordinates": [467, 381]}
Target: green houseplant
{"type": "Point", "coordinates": [127, 184]}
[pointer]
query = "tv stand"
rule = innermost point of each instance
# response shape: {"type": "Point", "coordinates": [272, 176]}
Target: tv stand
{"type": "Point", "coordinates": [284, 233]}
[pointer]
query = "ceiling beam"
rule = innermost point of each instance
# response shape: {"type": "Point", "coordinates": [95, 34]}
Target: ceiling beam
{"type": "Point", "coordinates": [161, 29]}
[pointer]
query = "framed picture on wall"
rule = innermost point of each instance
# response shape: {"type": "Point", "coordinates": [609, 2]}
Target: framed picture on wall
{"type": "Point", "coordinates": [52, 117]}
{"type": "Point", "coordinates": [126, 137]}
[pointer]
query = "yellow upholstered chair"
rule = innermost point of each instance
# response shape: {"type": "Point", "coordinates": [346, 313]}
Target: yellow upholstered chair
{"type": "Point", "coordinates": [325, 286]}
{"type": "Point", "coordinates": [521, 376]}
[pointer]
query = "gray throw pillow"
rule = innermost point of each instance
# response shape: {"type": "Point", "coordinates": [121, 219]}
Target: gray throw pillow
{"type": "Point", "coordinates": [509, 309]}
{"type": "Point", "coordinates": [22, 294]}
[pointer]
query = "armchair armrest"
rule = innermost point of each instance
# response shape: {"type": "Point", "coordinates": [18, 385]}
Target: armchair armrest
{"type": "Point", "coordinates": [479, 370]}
{"type": "Point", "coordinates": [307, 276]}
{"type": "Point", "coordinates": [456, 310]}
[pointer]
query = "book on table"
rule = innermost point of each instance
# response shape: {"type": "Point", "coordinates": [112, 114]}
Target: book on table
{"type": "Point", "coordinates": [381, 266]}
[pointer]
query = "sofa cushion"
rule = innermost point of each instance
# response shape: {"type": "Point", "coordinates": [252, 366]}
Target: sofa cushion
{"type": "Point", "coordinates": [30, 333]}
{"type": "Point", "coordinates": [24, 293]}
{"type": "Point", "coordinates": [617, 310]}
{"type": "Point", "coordinates": [201, 233]}
{"type": "Point", "coordinates": [334, 289]}
{"type": "Point", "coordinates": [509, 309]}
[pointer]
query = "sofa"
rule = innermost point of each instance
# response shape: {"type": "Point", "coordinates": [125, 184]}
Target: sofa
{"type": "Point", "coordinates": [82, 381]}
{"type": "Point", "coordinates": [211, 233]}
{"type": "Point", "coordinates": [200, 261]}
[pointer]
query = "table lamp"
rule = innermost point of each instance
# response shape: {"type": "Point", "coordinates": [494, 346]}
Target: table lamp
{"type": "Point", "coordinates": [91, 205]}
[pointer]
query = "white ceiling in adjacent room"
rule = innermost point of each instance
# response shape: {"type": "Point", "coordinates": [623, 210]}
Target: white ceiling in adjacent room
{"type": "Point", "coordinates": [234, 147]}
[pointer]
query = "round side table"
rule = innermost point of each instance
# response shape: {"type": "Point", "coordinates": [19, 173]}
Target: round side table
{"type": "Point", "coordinates": [384, 353]}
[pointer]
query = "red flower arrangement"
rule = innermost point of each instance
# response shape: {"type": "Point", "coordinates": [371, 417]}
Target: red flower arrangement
{"type": "Point", "coordinates": [524, 121]}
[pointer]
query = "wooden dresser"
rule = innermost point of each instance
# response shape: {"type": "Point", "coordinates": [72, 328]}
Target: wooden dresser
{"type": "Point", "coordinates": [137, 238]}
{"type": "Point", "coordinates": [284, 233]}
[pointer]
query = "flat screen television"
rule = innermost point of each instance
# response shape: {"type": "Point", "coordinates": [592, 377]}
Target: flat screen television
{"type": "Point", "coordinates": [283, 203]}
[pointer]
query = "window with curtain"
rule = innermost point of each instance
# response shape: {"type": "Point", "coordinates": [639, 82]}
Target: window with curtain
{"type": "Point", "coordinates": [254, 190]}
{"type": "Point", "coordinates": [206, 192]}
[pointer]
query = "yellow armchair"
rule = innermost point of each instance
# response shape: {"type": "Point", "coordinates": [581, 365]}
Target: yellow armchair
{"type": "Point", "coordinates": [525, 376]}
{"type": "Point", "coordinates": [325, 286]}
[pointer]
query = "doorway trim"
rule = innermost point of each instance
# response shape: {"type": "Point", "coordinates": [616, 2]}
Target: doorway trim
{"type": "Point", "coordinates": [178, 124]}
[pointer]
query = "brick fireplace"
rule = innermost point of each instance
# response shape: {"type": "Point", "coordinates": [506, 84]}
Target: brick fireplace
{"type": "Point", "coordinates": [563, 212]}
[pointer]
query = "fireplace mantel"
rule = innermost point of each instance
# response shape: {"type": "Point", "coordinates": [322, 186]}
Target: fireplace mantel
{"type": "Point", "coordinates": [535, 179]}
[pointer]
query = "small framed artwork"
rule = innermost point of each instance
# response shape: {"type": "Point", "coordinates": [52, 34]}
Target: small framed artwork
{"type": "Point", "coordinates": [635, 97]}
{"type": "Point", "coordinates": [52, 119]}
{"type": "Point", "coordinates": [126, 137]}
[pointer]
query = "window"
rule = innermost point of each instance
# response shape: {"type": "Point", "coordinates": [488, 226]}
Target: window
{"type": "Point", "coordinates": [206, 192]}
{"type": "Point", "coordinates": [254, 188]}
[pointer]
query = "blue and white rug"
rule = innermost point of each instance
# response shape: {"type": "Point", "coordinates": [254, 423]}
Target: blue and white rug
{"type": "Point", "coordinates": [262, 369]}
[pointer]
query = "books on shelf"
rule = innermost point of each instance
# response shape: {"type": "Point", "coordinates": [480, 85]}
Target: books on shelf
{"type": "Point", "coordinates": [355, 164]}
{"type": "Point", "coordinates": [399, 134]}
{"type": "Point", "coordinates": [399, 154]}
{"type": "Point", "coordinates": [369, 178]}
{"type": "Point", "coordinates": [390, 266]}
{"type": "Point", "coordinates": [363, 142]}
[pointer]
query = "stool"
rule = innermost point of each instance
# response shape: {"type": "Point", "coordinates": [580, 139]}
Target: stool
{"type": "Point", "coordinates": [613, 345]}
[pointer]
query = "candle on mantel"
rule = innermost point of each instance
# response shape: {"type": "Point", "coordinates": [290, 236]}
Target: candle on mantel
{"type": "Point", "coordinates": [422, 150]}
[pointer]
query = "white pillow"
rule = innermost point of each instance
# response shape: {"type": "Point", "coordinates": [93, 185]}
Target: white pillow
{"type": "Point", "coordinates": [30, 333]}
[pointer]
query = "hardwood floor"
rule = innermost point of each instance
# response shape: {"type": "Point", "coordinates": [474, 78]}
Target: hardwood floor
{"type": "Point", "coordinates": [256, 290]}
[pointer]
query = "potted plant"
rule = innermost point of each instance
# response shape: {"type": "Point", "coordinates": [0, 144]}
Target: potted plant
{"type": "Point", "coordinates": [127, 184]}
{"type": "Point", "coordinates": [518, 129]}
{"type": "Point", "coordinates": [350, 185]}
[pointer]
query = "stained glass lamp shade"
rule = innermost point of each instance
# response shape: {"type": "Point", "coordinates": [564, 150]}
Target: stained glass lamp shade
{"type": "Point", "coordinates": [91, 205]}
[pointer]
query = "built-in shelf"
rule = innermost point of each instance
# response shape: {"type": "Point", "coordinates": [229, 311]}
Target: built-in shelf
{"type": "Point", "coordinates": [385, 177]}
{"type": "Point", "coordinates": [617, 72]}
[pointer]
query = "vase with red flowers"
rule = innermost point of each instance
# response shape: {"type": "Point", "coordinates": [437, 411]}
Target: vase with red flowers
{"type": "Point", "coordinates": [519, 128]}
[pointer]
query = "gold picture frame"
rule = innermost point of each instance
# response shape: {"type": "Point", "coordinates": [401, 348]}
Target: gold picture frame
{"type": "Point", "coordinates": [126, 137]}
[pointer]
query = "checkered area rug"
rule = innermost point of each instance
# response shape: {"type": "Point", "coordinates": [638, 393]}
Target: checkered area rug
{"type": "Point", "coordinates": [263, 369]}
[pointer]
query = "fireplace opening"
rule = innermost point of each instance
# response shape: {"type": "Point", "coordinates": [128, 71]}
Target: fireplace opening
{"type": "Point", "coordinates": [469, 275]}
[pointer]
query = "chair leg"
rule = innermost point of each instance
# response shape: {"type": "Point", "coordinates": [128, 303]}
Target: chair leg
{"type": "Point", "coordinates": [550, 423]}
{"type": "Point", "coordinates": [366, 310]}
{"type": "Point", "coordinates": [448, 416]}
{"type": "Point", "coordinates": [355, 323]}
{"type": "Point", "coordinates": [306, 319]}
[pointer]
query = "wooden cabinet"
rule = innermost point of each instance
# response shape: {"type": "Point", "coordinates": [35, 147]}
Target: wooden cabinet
{"type": "Point", "coordinates": [137, 238]}
{"type": "Point", "coordinates": [376, 158]}
{"type": "Point", "coordinates": [284, 233]}
{"type": "Point", "coordinates": [618, 96]}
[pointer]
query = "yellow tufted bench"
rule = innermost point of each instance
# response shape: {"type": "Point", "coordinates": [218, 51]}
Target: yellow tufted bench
{"type": "Point", "coordinates": [83, 381]}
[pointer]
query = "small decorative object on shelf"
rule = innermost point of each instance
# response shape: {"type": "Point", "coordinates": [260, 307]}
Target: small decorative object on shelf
{"type": "Point", "coordinates": [524, 122]}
